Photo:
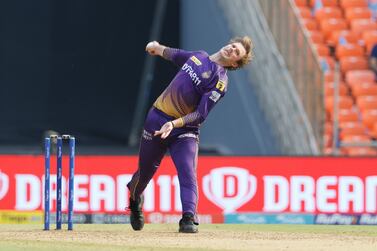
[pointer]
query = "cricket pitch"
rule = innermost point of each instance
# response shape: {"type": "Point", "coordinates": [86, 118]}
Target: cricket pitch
{"type": "Point", "coordinates": [160, 237]}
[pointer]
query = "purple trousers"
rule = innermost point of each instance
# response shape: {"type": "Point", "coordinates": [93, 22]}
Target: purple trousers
{"type": "Point", "coordinates": [183, 144]}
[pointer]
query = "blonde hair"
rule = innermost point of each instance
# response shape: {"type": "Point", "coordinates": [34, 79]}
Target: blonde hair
{"type": "Point", "coordinates": [247, 43]}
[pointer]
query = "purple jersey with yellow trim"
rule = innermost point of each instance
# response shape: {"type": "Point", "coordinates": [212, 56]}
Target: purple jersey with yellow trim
{"type": "Point", "coordinates": [197, 87]}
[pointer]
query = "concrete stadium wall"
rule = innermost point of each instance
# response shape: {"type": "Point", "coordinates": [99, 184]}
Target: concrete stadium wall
{"type": "Point", "coordinates": [237, 125]}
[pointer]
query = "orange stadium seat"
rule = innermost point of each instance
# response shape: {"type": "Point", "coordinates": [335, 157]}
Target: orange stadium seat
{"type": "Point", "coordinates": [349, 50]}
{"type": "Point", "coordinates": [316, 37]}
{"type": "Point", "coordinates": [369, 118]}
{"type": "Point", "coordinates": [347, 115]}
{"type": "Point", "coordinates": [355, 83]}
{"type": "Point", "coordinates": [353, 3]}
{"type": "Point", "coordinates": [353, 63]}
{"type": "Point", "coordinates": [329, 76]}
{"type": "Point", "coordinates": [343, 35]}
{"type": "Point", "coordinates": [345, 102]}
{"type": "Point", "coordinates": [361, 151]}
{"type": "Point", "coordinates": [358, 76]}
{"type": "Point", "coordinates": [356, 138]}
{"type": "Point", "coordinates": [364, 89]}
{"type": "Point", "coordinates": [304, 12]}
{"type": "Point", "coordinates": [374, 131]}
{"type": "Point", "coordinates": [309, 23]}
{"type": "Point", "coordinates": [370, 39]}
{"type": "Point", "coordinates": [352, 128]}
{"type": "Point", "coordinates": [301, 3]}
{"type": "Point", "coordinates": [358, 13]}
{"type": "Point", "coordinates": [322, 50]}
{"type": "Point", "coordinates": [326, 3]}
{"type": "Point", "coordinates": [329, 60]}
{"type": "Point", "coordinates": [361, 25]}
{"type": "Point", "coordinates": [328, 12]}
{"type": "Point", "coordinates": [366, 103]}
{"type": "Point", "coordinates": [329, 89]}
{"type": "Point", "coordinates": [332, 24]}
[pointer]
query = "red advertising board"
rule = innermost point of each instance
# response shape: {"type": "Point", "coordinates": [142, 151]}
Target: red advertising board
{"type": "Point", "coordinates": [226, 185]}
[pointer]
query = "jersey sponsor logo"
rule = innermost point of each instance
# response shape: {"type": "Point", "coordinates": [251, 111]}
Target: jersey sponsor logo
{"type": "Point", "coordinates": [188, 69]}
{"type": "Point", "coordinates": [206, 74]}
{"type": "Point", "coordinates": [215, 96]}
{"type": "Point", "coordinates": [188, 135]}
{"type": "Point", "coordinates": [220, 85]}
{"type": "Point", "coordinates": [147, 135]}
{"type": "Point", "coordinates": [196, 60]}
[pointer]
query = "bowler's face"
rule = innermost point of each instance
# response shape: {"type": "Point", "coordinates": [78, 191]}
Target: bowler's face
{"type": "Point", "coordinates": [233, 52]}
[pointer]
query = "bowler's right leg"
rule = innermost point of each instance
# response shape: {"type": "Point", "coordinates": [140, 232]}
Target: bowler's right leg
{"type": "Point", "coordinates": [152, 150]}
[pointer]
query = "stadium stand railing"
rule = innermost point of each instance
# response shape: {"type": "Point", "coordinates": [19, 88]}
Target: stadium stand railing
{"type": "Point", "coordinates": [300, 56]}
{"type": "Point", "coordinates": [273, 83]}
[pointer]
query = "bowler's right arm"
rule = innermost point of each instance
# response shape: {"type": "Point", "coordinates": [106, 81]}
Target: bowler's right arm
{"type": "Point", "coordinates": [177, 56]}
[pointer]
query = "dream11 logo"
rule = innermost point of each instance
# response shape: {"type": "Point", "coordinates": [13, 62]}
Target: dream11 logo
{"type": "Point", "coordinates": [229, 187]}
{"type": "Point", "coordinates": [4, 184]}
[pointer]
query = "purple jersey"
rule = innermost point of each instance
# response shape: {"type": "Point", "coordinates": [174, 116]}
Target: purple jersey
{"type": "Point", "coordinates": [197, 87]}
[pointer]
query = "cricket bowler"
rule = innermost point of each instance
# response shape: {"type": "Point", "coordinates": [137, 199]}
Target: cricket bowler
{"type": "Point", "coordinates": [173, 121]}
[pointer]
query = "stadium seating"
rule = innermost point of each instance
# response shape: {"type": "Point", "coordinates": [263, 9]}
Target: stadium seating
{"type": "Point", "coordinates": [370, 39]}
{"type": "Point", "coordinates": [325, 3]}
{"type": "Point", "coordinates": [316, 37]}
{"type": "Point", "coordinates": [374, 131]}
{"type": "Point", "coordinates": [344, 31]}
{"type": "Point", "coordinates": [349, 50]}
{"type": "Point", "coordinates": [332, 24]}
{"type": "Point", "coordinates": [343, 36]}
{"type": "Point", "coordinates": [352, 128]}
{"type": "Point", "coordinates": [357, 13]}
{"type": "Point", "coordinates": [369, 118]}
{"type": "Point", "coordinates": [353, 63]}
{"type": "Point", "coordinates": [357, 76]}
{"type": "Point", "coordinates": [322, 50]}
{"type": "Point", "coordinates": [364, 89]}
{"type": "Point", "coordinates": [309, 23]}
{"type": "Point", "coordinates": [328, 12]}
{"type": "Point", "coordinates": [304, 12]}
{"type": "Point", "coordinates": [329, 89]}
{"type": "Point", "coordinates": [361, 25]}
{"type": "Point", "coordinates": [353, 3]}
{"type": "Point", "coordinates": [301, 3]}
{"type": "Point", "coordinates": [366, 103]}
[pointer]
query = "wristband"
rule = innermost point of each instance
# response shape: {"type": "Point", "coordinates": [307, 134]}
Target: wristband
{"type": "Point", "coordinates": [172, 123]}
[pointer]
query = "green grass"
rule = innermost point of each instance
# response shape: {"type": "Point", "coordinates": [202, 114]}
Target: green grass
{"type": "Point", "coordinates": [160, 237]}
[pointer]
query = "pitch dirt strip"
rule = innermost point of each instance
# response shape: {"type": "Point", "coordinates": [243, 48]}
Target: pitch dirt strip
{"type": "Point", "coordinates": [211, 237]}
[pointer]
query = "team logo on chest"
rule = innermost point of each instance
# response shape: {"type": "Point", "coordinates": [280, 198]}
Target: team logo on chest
{"type": "Point", "coordinates": [206, 74]}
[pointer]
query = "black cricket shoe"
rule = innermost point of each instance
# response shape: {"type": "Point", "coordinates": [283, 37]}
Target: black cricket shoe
{"type": "Point", "coordinates": [188, 224]}
{"type": "Point", "coordinates": [137, 217]}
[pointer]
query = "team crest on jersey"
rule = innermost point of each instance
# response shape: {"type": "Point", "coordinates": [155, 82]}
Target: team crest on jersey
{"type": "Point", "coordinates": [220, 85]}
{"type": "Point", "coordinates": [196, 60]}
{"type": "Point", "coordinates": [206, 74]}
{"type": "Point", "coordinates": [215, 96]}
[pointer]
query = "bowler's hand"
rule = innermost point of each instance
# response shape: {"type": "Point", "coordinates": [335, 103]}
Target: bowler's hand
{"type": "Point", "coordinates": [153, 48]}
{"type": "Point", "coordinates": [165, 130]}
